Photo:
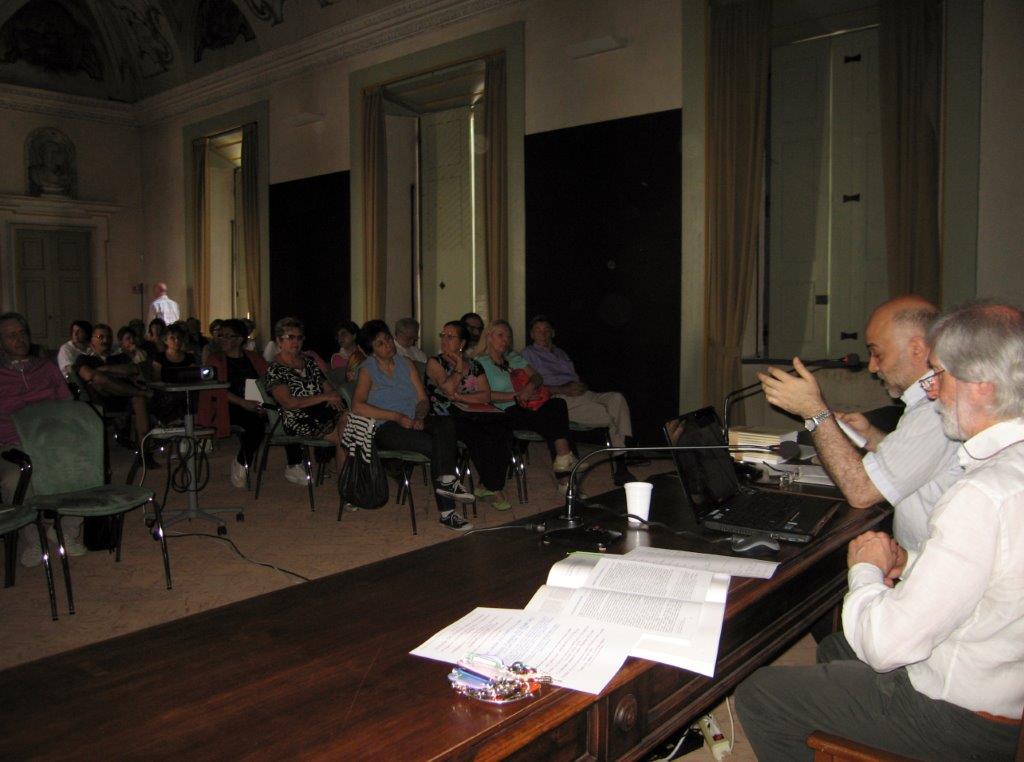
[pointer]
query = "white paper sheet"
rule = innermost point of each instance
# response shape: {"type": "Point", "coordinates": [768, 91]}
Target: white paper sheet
{"type": "Point", "coordinates": [737, 567]}
{"type": "Point", "coordinates": [578, 654]}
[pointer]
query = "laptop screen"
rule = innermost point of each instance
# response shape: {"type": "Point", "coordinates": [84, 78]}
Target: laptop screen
{"type": "Point", "coordinates": [708, 476]}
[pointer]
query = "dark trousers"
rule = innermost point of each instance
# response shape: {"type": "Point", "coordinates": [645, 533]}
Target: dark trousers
{"type": "Point", "coordinates": [551, 421]}
{"type": "Point", "coordinates": [253, 425]}
{"type": "Point", "coordinates": [436, 441]}
{"type": "Point", "coordinates": [488, 437]}
{"type": "Point", "coordinates": [780, 706]}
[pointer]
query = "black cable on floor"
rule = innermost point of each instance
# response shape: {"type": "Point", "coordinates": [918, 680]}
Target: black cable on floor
{"type": "Point", "coordinates": [239, 552]}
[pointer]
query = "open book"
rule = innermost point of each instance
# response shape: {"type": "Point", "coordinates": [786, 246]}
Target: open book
{"type": "Point", "coordinates": [679, 611]}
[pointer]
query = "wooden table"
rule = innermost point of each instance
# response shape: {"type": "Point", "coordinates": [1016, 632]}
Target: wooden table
{"type": "Point", "coordinates": [321, 670]}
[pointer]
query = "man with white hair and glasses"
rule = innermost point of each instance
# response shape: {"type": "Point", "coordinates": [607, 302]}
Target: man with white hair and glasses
{"type": "Point", "coordinates": [932, 667]}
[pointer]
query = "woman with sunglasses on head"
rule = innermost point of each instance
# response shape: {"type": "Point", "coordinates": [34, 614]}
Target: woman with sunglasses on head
{"type": "Point", "coordinates": [457, 387]}
{"type": "Point", "coordinates": [223, 408]}
{"type": "Point", "coordinates": [390, 391]}
{"type": "Point", "coordinates": [310, 405]}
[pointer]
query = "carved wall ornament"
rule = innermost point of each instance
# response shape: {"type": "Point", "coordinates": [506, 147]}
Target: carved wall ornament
{"type": "Point", "coordinates": [267, 10]}
{"type": "Point", "coordinates": [218, 24]}
{"type": "Point", "coordinates": [45, 34]}
{"type": "Point", "coordinates": [50, 167]}
{"type": "Point", "coordinates": [153, 53]}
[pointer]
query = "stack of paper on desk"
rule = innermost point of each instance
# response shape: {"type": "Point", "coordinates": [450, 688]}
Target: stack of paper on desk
{"type": "Point", "coordinates": [760, 436]}
{"type": "Point", "coordinates": [678, 612]}
{"type": "Point", "coordinates": [657, 604]}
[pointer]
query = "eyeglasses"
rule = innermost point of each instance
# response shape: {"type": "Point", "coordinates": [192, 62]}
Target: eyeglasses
{"type": "Point", "coordinates": [230, 336]}
{"type": "Point", "coordinates": [292, 336]}
{"type": "Point", "coordinates": [929, 381]}
{"type": "Point", "coordinates": [449, 336]}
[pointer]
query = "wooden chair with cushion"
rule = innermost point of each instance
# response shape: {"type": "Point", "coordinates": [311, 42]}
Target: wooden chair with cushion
{"type": "Point", "coordinates": [64, 441]}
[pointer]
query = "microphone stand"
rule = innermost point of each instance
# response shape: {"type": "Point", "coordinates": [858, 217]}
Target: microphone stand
{"type": "Point", "coordinates": [574, 532]}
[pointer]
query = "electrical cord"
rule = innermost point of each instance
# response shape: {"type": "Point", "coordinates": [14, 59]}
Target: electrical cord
{"type": "Point", "coordinates": [540, 527]}
{"type": "Point", "coordinates": [239, 552]}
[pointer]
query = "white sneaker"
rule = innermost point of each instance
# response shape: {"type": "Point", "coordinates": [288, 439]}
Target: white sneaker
{"type": "Point", "coordinates": [296, 474]}
{"type": "Point", "coordinates": [563, 463]}
{"type": "Point", "coordinates": [238, 472]}
{"type": "Point", "coordinates": [72, 542]}
{"type": "Point", "coordinates": [31, 554]}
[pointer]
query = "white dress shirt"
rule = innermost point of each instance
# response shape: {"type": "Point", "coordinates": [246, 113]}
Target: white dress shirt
{"type": "Point", "coordinates": [957, 622]}
{"type": "Point", "coordinates": [413, 353]}
{"type": "Point", "coordinates": [914, 466]}
{"type": "Point", "coordinates": [165, 308]}
{"type": "Point", "coordinates": [66, 356]}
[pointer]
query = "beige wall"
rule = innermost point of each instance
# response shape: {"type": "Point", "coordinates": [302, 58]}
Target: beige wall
{"type": "Point", "coordinates": [147, 238]}
{"type": "Point", "coordinates": [1001, 161]}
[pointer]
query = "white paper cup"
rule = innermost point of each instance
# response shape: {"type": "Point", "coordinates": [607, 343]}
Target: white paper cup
{"type": "Point", "coordinates": [638, 500]}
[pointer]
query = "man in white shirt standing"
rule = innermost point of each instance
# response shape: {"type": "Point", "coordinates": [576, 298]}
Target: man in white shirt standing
{"type": "Point", "coordinates": [911, 467]}
{"type": "Point", "coordinates": [407, 333]}
{"type": "Point", "coordinates": [932, 667]}
{"type": "Point", "coordinates": [163, 306]}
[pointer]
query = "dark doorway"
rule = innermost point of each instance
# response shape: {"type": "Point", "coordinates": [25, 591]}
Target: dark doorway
{"type": "Point", "coordinates": [309, 256]}
{"type": "Point", "coordinates": [603, 256]}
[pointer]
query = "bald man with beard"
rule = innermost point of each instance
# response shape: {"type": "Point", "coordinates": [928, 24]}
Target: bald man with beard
{"type": "Point", "coordinates": [911, 467]}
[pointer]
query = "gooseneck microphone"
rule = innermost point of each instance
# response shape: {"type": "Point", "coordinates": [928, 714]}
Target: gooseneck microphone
{"type": "Point", "coordinates": [572, 525]}
{"type": "Point", "coordinates": [849, 361]}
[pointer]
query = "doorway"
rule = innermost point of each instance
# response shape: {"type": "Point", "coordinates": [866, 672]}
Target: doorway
{"type": "Point", "coordinates": [435, 250]}
{"type": "Point", "coordinates": [53, 285]}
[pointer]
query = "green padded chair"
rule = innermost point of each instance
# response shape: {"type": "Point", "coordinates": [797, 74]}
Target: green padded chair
{"type": "Point", "coordinates": [13, 518]}
{"type": "Point", "coordinates": [277, 438]}
{"type": "Point", "coordinates": [64, 441]}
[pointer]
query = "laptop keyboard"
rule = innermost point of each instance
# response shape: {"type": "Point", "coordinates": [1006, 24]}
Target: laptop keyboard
{"type": "Point", "coordinates": [761, 509]}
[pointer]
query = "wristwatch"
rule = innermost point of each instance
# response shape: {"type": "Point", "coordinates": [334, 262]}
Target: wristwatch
{"type": "Point", "coordinates": [815, 420]}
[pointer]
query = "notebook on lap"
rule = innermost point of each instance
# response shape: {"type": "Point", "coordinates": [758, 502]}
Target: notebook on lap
{"type": "Point", "coordinates": [718, 499]}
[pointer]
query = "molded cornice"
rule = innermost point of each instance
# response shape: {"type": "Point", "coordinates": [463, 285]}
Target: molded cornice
{"type": "Point", "coordinates": [392, 24]}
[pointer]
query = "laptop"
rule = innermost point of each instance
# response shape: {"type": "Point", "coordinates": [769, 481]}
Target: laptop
{"type": "Point", "coordinates": [718, 499]}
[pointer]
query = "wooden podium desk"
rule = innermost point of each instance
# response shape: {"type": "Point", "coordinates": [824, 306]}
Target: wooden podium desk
{"type": "Point", "coordinates": [322, 670]}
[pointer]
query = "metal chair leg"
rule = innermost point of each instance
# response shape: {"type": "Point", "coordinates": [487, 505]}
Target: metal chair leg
{"type": "Point", "coordinates": [407, 470]}
{"type": "Point", "coordinates": [262, 466]}
{"type": "Point", "coordinates": [47, 568]}
{"type": "Point", "coordinates": [306, 464]}
{"type": "Point", "coordinates": [64, 561]}
{"type": "Point", "coordinates": [158, 534]}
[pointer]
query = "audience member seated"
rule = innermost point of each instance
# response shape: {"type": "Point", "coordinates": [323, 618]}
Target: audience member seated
{"type": "Point", "coordinates": [550, 419]}
{"type": "Point", "coordinates": [349, 355]}
{"type": "Point", "coordinates": [25, 380]}
{"type": "Point", "coordinates": [390, 391]}
{"type": "Point", "coordinates": [78, 344]}
{"type": "Point", "coordinates": [170, 406]}
{"type": "Point", "coordinates": [931, 667]}
{"type": "Point", "coordinates": [454, 384]}
{"type": "Point", "coordinates": [310, 405]}
{"type": "Point", "coordinates": [603, 409]}
{"type": "Point", "coordinates": [116, 382]}
{"type": "Point", "coordinates": [154, 342]}
{"type": "Point", "coordinates": [128, 345]}
{"type": "Point", "coordinates": [475, 325]}
{"type": "Point", "coordinates": [196, 341]}
{"type": "Point", "coordinates": [214, 342]}
{"type": "Point", "coordinates": [221, 409]}
{"type": "Point", "coordinates": [407, 333]}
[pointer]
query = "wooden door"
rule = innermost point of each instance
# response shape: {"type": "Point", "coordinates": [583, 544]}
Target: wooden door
{"type": "Point", "coordinates": [52, 281]}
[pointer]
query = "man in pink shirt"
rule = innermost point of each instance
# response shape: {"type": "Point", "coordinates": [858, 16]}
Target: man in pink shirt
{"type": "Point", "coordinates": [24, 380]}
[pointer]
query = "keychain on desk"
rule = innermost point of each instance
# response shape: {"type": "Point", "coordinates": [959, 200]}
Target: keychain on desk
{"type": "Point", "coordinates": [488, 678]}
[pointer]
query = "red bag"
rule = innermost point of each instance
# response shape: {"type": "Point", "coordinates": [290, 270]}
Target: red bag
{"type": "Point", "coordinates": [520, 378]}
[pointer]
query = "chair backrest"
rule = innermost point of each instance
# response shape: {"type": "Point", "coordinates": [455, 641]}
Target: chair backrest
{"type": "Point", "coordinates": [75, 381]}
{"type": "Point", "coordinates": [64, 439]}
{"type": "Point", "coordinates": [273, 414]}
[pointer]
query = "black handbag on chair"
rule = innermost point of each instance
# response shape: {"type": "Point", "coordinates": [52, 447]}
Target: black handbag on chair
{"type": "Point", "coordinates": [363, 482]}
